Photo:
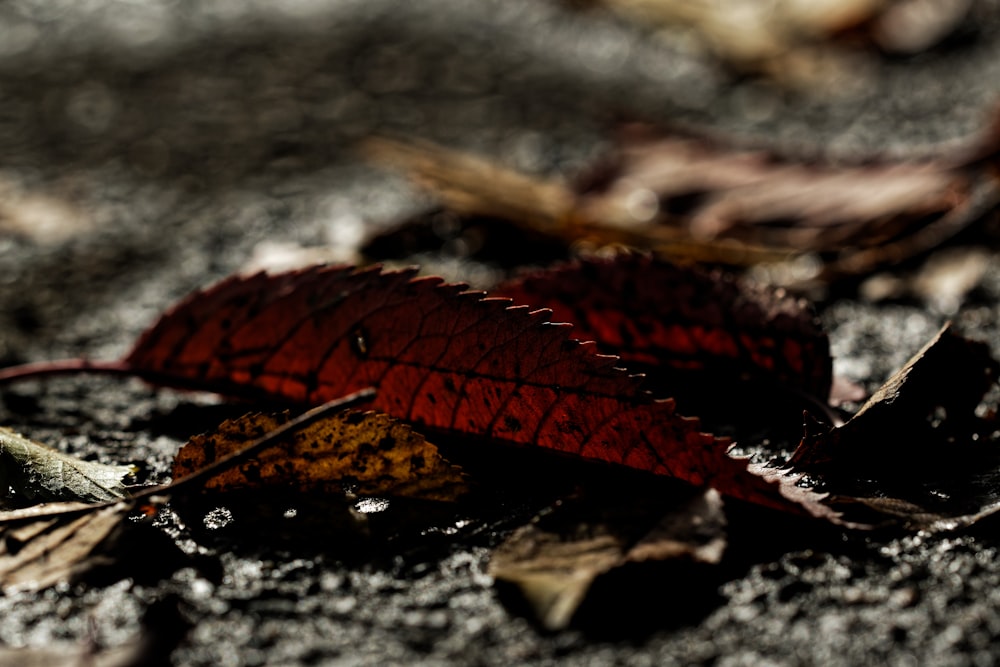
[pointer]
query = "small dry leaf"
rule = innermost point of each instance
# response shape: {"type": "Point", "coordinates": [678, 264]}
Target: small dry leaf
{"type": "Point", "coordinates": [367, 453]}
{"type": "Point", "coordinates": [554, 560]}
{"type": "Point", "coordinates": [45, 545]}
{"type": "Point", "coordinates": [39, 473]}
{"type": "Point", "coordinates": [949, 375]}
{"type": "Point", "coordinates": [914, 451]}
{"type": "Point", "coordinates": [58, 542]}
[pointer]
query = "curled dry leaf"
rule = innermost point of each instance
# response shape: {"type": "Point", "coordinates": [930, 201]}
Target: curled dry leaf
{"type": "Point", "coordinates": [650, 311]}
{"type": "Point", "coordinates": [367, 453]}
{"type": "Point", "coordinates": [40, 547]}
{"type": "Point", "coordinates": [39, 473]}
{"type": "Point", "coordinates": [907, 401]}
{"type": "Point", "coordinates": [554, 560]}
{"type": "Point", "coordinates": [444, 359]}
{"type": "Point", "coordinates": [916, 451]}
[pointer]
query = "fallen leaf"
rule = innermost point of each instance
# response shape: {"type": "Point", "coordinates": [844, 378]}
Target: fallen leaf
{"type": "Point", "coordinates": [943, 282]}
{"type": "Point", "coordinates": [911, 26]}
{"type": "Point", "coordinates": [915, 451]}
{"type": "Point", "coordinates": [750, 33]}
{"type": "Point", "coordinates": [50, 543]}
{"type": "Point", "coordinates": [907, 401]}
{"type": "Point", "coordinates": [947, 277]}
{"type": "Point", "coordinates": [654, 312]}
{"type": "Point", "coordinates": [442, 358]}
{"type": "Point", "coordinates": [555, 560]}
{"type": "Point", "coordinates": [57, 543]}
{"type": "Point", "coordinates": [703, 199]}
{"type": "Point", "coordinates": [367, 453]}
{"type": "Point", "coordinates": [39, 473]}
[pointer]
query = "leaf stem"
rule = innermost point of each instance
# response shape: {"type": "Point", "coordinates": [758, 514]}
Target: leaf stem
{"type": "Point", "coordinates": [123, 368]}
{"type": "Point", "coordinates": [40, 369]}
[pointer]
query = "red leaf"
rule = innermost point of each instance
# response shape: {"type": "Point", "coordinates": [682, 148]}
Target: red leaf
{"type": "Point", "coordinates": [651, 311]}
{"type": "Point", "coordinates": [445, 359]}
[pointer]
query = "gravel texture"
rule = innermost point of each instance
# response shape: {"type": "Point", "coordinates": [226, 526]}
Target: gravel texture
{"type": "Point", "coordinates": [169, 143]}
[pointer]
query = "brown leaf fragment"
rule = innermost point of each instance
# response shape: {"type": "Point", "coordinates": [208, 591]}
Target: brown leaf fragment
{"type": "Point", "coordinates": [470, 184]}
{"type": "Point", "coordinates": [367, 453]}
{"type": "Point", "coordinates": [554, 560]}
{"type": "Point", "coordinates": [67, 654]}
{"type": "Point", "coordinates": [943, 282]}
{"type": "Point", "coordinates": [912, 26]}
{"type": "Point", "coordinates": [845, 219]}
{"type": "Point", "coordinates": [39, 551]}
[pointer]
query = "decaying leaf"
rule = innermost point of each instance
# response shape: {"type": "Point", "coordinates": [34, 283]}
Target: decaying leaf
{"type": "Point", "coordinates": [703, 200]}
{"type": "Point", "coordinates": [554, 560]}
{"type": "Point", "coordinates": [949, 375]}
{"type": "Point", "coordinates": [444, 359]}
{"type": "Point", "coordinates": [44, 545]}
{"type": "Point", "coordinates": [654, 312]}
{"type": "Point", "coordinates": [915, 446]}
{"type": "Point", "coordinates": [58, 542]}
{"type": "Point", "coordinates": [39, 473]}
{"type": "Point", "coordinates": [367, 453]}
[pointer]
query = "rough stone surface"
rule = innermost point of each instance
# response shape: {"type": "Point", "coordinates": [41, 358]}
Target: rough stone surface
{"type": "Point", "coordinates": [169, 143]}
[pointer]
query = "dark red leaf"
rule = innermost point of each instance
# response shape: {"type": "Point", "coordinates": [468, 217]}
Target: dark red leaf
{"type": "Point", "coordinates": [652, 311]}
{"type": "Point", "coordinates": [446, 359]}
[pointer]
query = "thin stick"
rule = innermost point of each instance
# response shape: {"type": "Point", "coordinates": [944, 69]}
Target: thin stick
{"type": "Point", "coordinates": [63, 367]}
{"type": "Point", "coordinates": [123, 368]}
{"type": "Point", "coordinates": [269, 438]}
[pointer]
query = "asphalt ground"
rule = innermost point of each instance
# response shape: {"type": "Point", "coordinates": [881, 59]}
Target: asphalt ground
{"type": "Point", "coordinates": [147, 149]}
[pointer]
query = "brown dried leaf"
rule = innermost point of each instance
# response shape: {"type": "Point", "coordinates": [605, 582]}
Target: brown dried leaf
{"type": "Point", "coordinates": [902, 407]}
{"type": "Point", "coordinates": [914, 452]}
{"type": "Point", "coordinates": [43, 546]}
{"type": "Point", "coordinates": [702, 200]}
{"type": "Point", "coordinates": [368, 453]}
{"type": "Point", "coordinates": [59, 542]}
{"type": "Point", "coordinates": [554, 561]}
